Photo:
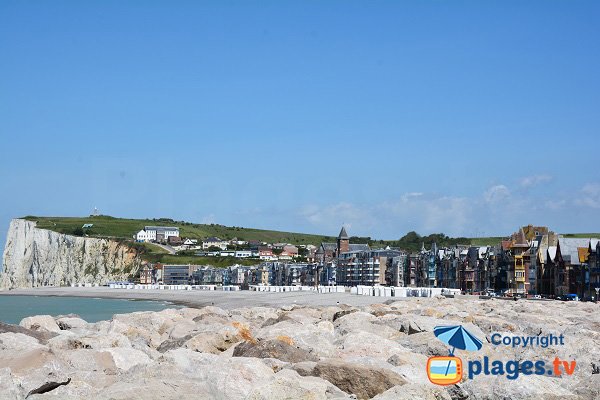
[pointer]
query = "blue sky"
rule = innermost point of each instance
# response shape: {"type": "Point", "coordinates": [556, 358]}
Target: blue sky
{"type": "Point", "coordinates": [468, 118]}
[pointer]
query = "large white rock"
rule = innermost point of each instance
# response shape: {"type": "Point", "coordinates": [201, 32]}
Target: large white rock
{"type": "Point", "coordinates": [412, 392]}
{"type": "Point", "coordinates": [40, 323]}
{"type": "Point", "coordinates": [288, 385]}
{"type": "Point", "coordinates": [18, 342]}
{"type": "Point", "coordinates": [9, 388]}
{"type": "Point", "coordinates": [125, 358]}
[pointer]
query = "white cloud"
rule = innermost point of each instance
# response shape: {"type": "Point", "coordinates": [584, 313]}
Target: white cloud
{"type": "Point", "coordinates": [427, 213]}
{"type": "Point", "coordinates": [496, 194]}
{"type": "Point", "coordinates": [534, 180]}
{"type": "Point", "coordinates": [411, 211]}
{"type": "Point", "coordinates": [335, 215]}
{"type": "Point", "coordinates": [589, 196]}
{"type": "Point", "coordinates": [498, 210]}
{"type": "Point", "coordinates": [554, 204]}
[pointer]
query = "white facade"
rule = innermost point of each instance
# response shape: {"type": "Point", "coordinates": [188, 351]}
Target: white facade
{"type": "Point", "coordinates": [142, 236]}
{"type": "Point", "coordinates": [243, 253]}
{"type": "Point", "coordinates": [166, 231]}
{"type": "Point", "coordinates": [214, 242]}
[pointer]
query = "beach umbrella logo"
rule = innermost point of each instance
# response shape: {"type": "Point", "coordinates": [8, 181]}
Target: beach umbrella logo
{"type": "Point", "coordinates": [448, 370]}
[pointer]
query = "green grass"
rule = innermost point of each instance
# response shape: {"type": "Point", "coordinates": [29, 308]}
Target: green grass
{"type": "Point", "coordinates": [582, 235]}
{"type": "Point", "coordinates": [105, 226]}
{"type": "Point", "coordinates": [486, 241]}
{"type": "Point", "coordinates": [152, 248]}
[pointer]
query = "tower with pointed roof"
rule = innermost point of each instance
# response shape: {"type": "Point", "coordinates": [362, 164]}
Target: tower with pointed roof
{"type": "Point", "coordinates": [343, 242]}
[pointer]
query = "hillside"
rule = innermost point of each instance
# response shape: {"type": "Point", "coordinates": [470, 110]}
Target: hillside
{"type": "Point", "coordinates": [111, 227]}
{"type": "Point", "coordinates": [123, 228]}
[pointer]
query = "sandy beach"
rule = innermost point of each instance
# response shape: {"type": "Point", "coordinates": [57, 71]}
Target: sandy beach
{"type": "Point", "coordinates": [200, 298]}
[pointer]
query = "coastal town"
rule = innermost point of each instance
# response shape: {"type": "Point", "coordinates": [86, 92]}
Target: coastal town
{"type": "Point", "coordinates": [531, 262]}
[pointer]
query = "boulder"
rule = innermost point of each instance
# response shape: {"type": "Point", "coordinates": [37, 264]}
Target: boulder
{"type": "Point", "coordinates": [68, 323]}
{"type": "Point", "coordinates": [362, 381]}
{"type": "Point", "coordinates": [304, 368]}
{"type": "Point", "coordinates": [23, 362]}
{"type": "Point", "coordinates": [366, 344]}
{"type": "Point", "coordinates": [423, 343]}
{"type": "Point", "coordinates": [18, 342]}
{"type": "Point", "coordinates": [41, 336]}
{"type": "Point", "coordinates": [212, 342]}
{"type": "Point", "coordinates": [9, 387]}
{"type": "Point", "coordinates": [273, 349]}
{"type": "Point", "coordinates": [288, 384]}
{"type": "Point", "coordinates": [317, 338]}
{"type": "Point", "coordinates": [414, 391]}
{"type": "Point", "coordinates": [40, 323]}
{"type": "Point", "coordinates": [363, 322]}
{"type": "Point", "coordinates": [222, 378]}
{"type": "Point", "coordinates": [126, 358]}
{"type": "Point", "coordinates": [182, 328]}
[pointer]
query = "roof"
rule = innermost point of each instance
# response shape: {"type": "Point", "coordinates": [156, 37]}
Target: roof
{"type": "Point", "coordinates": [212, 239]}
{"type": "Point", "coordinates": [568, 248]}
{"type": "Point", "coordinates": [161, 228]}
{"type": "Point", "coordinates": [387, 253]}
{"type": "Point", "coordinates": [343, 234]}
{"type": "Point", "coordinates": [519, 239]}
{"type": "Point", "coordinates": [329, 246]}
{"type": "Point", "coordinates": [541, 254]}
{"type": "Point", "coordinates": [552, 252]}
{"type": "Point", "coordinates": [358, 247]}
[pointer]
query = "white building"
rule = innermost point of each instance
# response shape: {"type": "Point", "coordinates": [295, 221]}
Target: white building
{"type": "Point", "coordinates": [141, 236]}
{"type": "Point", "coordinates": [216, 242]}
{"type": "Point", "coordinates": [156, 233]}
{"type": "Point", "coordinates": [243, 253]}
{"type": "Point", "coordinates": [161, 233]}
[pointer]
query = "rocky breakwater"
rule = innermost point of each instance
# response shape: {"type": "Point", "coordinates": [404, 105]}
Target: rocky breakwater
{"type": "Point", "coordinates": [295, 352]}
{"type": "Point", "coordinates": [38, 257]}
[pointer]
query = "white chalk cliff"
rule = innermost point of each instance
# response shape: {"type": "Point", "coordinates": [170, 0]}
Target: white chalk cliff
{"type": "Point", "coordinates": [38, 257]}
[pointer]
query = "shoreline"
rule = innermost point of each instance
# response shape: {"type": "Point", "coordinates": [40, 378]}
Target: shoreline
{"type": "Point", "coordinates": [96, 297]}
{"type": "Point", "coordinates": [200, 298]}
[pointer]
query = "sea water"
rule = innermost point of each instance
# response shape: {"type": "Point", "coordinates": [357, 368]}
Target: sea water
{"type": "Point", "coordinates": [14, 308]}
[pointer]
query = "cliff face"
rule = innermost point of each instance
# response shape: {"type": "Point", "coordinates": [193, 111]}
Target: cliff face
{"type": "Point", "coordinates": [38, 257]}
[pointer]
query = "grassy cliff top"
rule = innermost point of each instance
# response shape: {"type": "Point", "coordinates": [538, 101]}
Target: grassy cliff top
{"type": "Point", "coordinates": [106, 226]}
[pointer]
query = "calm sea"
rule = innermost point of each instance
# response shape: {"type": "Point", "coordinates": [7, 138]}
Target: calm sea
{"type": "Point", "coordinates": [14, 308]}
